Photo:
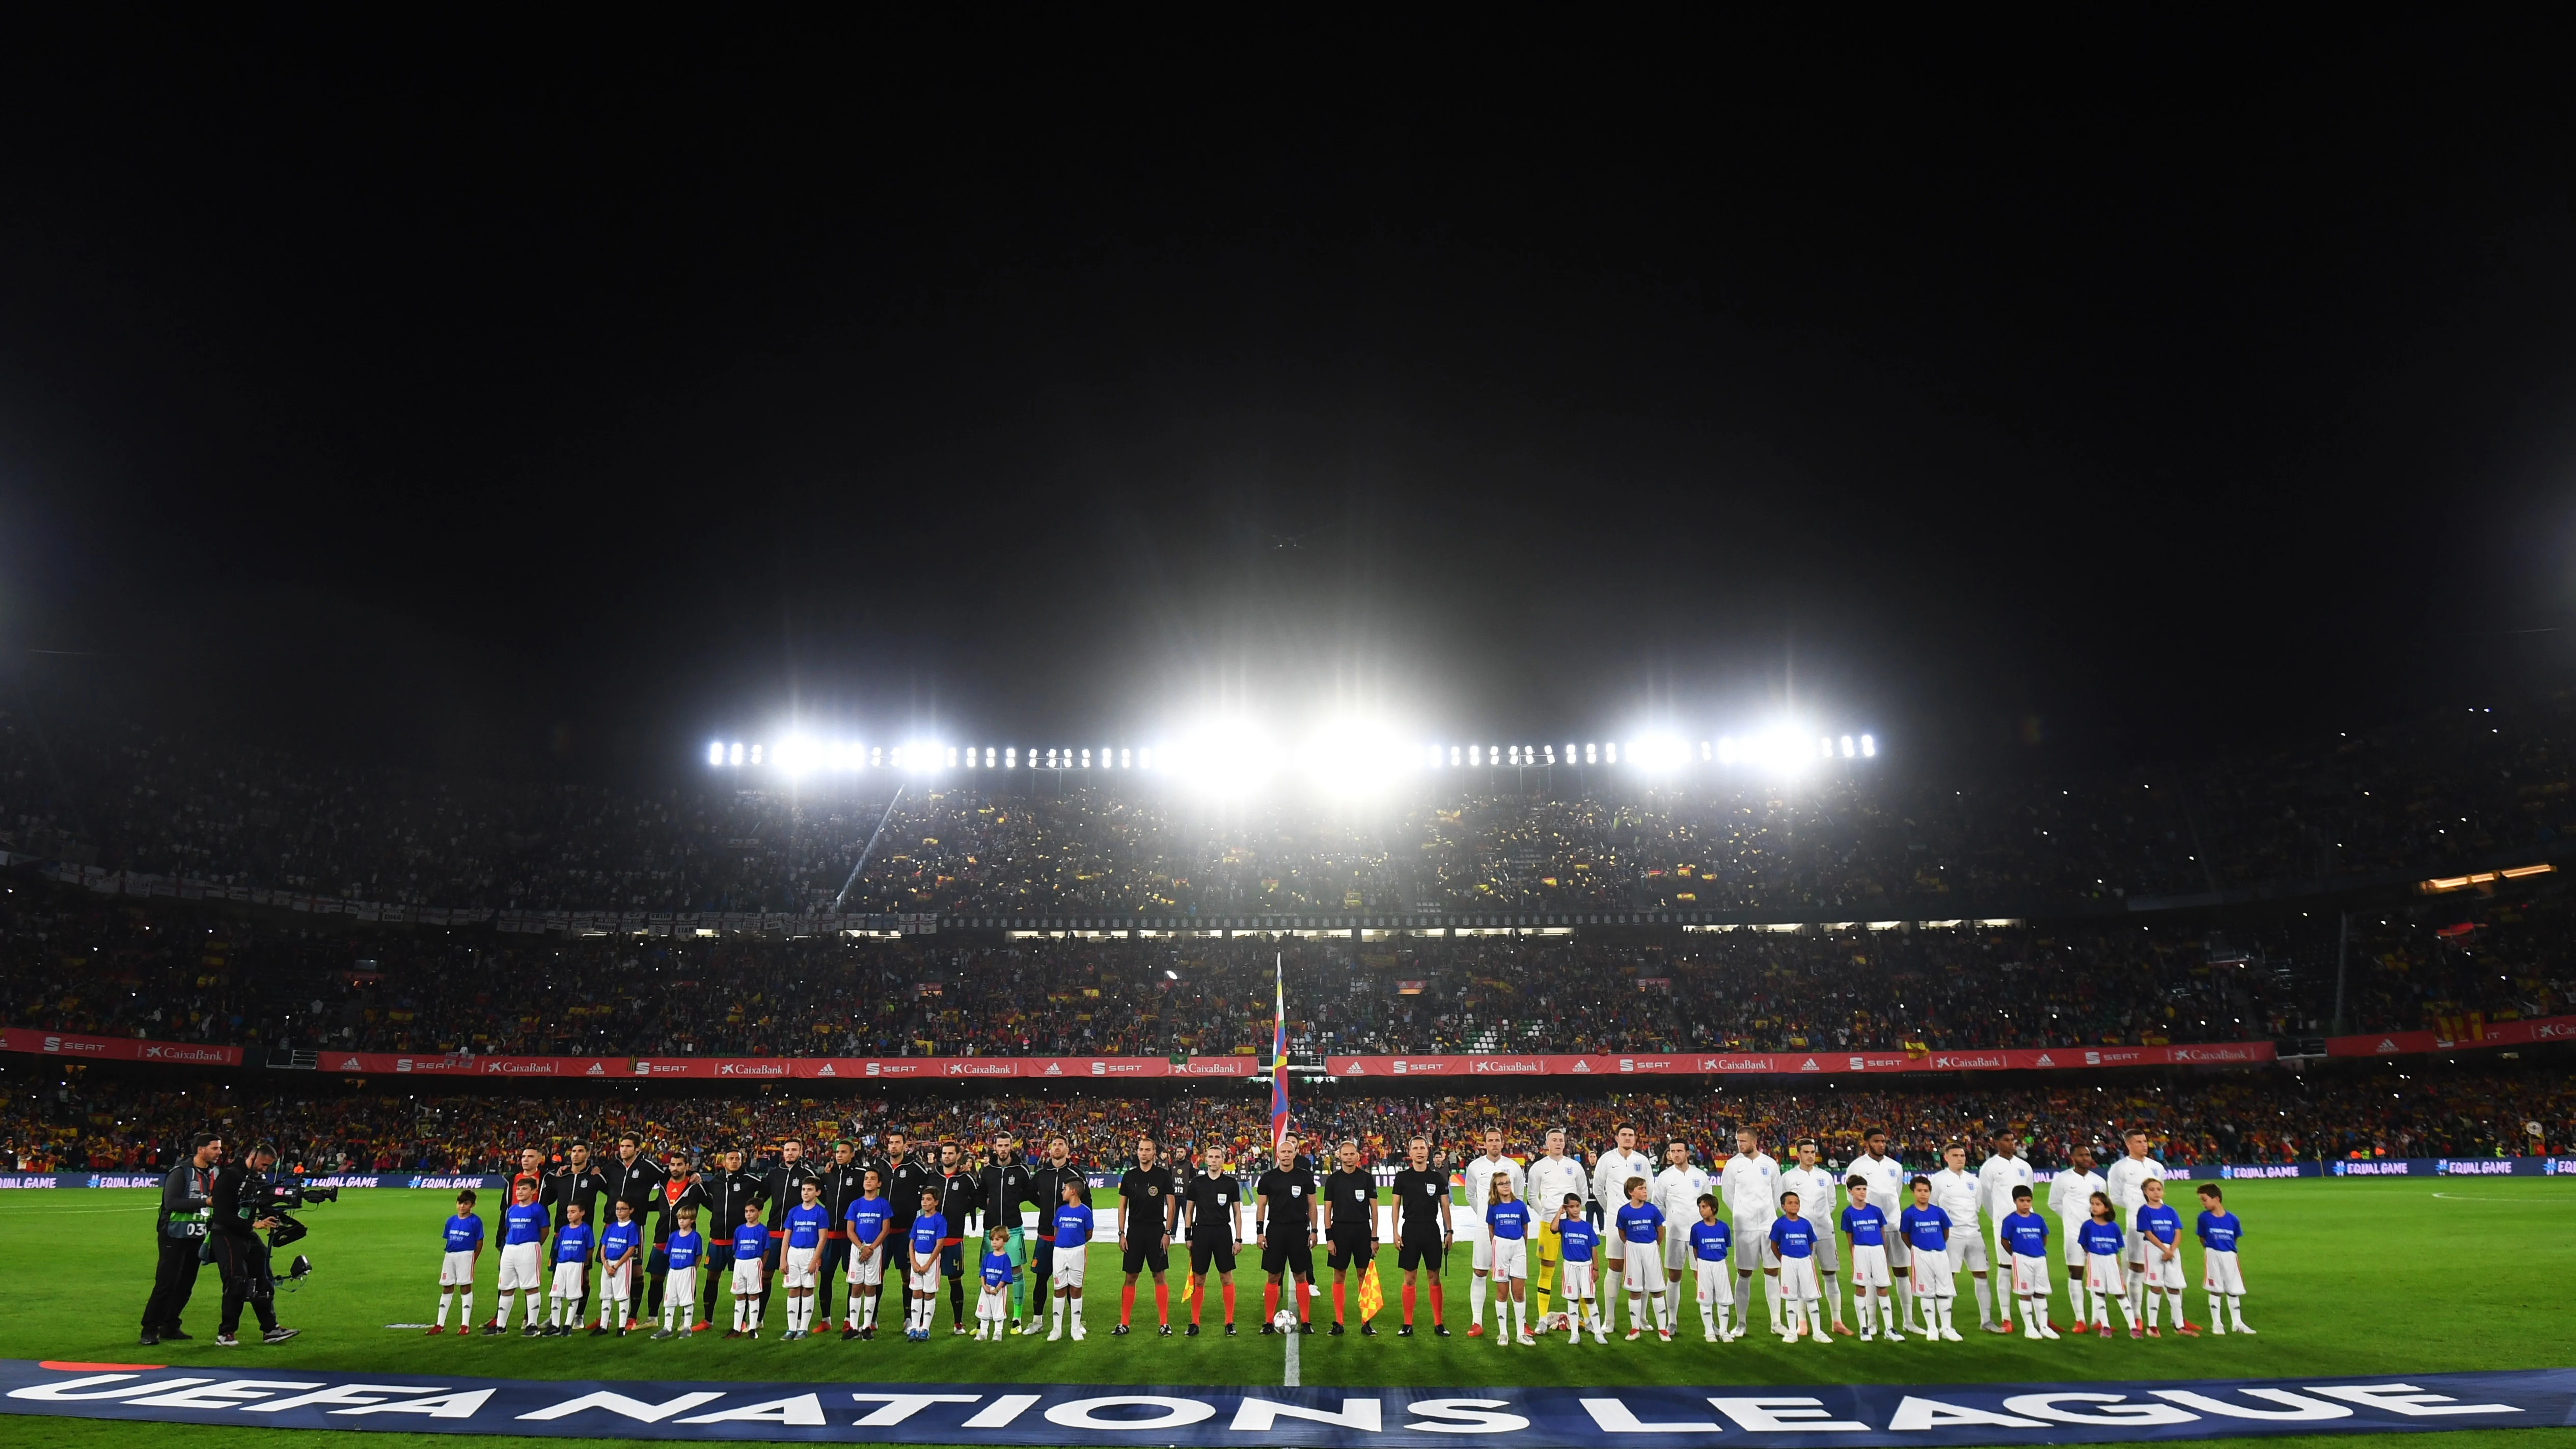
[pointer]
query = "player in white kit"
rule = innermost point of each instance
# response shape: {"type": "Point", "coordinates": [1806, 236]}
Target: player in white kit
{"type": "Point", "coordinates": [1996, 1178]}
{"type": "Point", "coordinates": [2126, 1182]}
{"type": "Point", "coordinates": [1887, 1180]}
{"type": "Point", "coordinates": [1677, 1191]}
{"type": "Point", "coordinates": [1610, 1174]}
{"type": "Point", "coordinates": [1815, 1186]}
{"type": "Point", "coordinates": [1751, 1182]}
{"type": "Point", "coordinates": [2070, 1194]}
{"type": "Point", "coordinates": [1551, 1176]}
{"type": "Point", "coordinates": [1954, 1192]}
{"type": "Point", "coordinates": [1480, 1236]}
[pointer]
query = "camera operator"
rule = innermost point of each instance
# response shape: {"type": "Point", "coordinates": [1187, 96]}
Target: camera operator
{"type": "Point", "coordinates": [180, 1230]}
{"type": "Point", "coordinates": [238, 1212]}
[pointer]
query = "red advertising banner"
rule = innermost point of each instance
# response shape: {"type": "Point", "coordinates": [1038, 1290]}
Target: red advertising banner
{"type": "Point", "coordinates": [756, 1069]}
{"type": "Point", "coordinates": [117, 1048]}
{"type": "Point", "coordinates": [2490, 1034]}
{"type": "Point", "coordinates": [1767, 1063]}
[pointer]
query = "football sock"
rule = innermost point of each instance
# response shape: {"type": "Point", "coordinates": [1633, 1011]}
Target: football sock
{"type": "Point", "coordinates": [1337, 1300]}
{"type": "Point", "coordinates": [1905, 1302]}
{"type": "Point", "coordinates": [1833, 1299]}
{"type": "Point", "coordinates": [1126, 1304]}
{"type": "Point", "coordinates": [1163, 1304]}
{"type": "Point", "coordinates": [1636, 1312]}
{"type": "Point", "coordinates": [1435, 1302]}
{"type": "Point", "coordinates": [1708, 1320]}
{"type": "Point", "coordinates": [1986, 1294]}
{"type": "Point", "coordinates": [1519, 1325]}
{"type": "Point", "coordinates": [1305, 1303]}
{"type": "Point", "coordinates": [1269, 1302]}
{"type": "Point", "coordinates": [2213, 1310]}
{"type": "Point", "coordinates": [2151, 1302]}
{"type": "Point", "coordinates": [1226, 1298]}
{"type": "Point", "coordinates": [2075, 1296]}
{"type": "Point", "coordinates": [1771, 1295]}
{"type": "Point", "coordinates": [2235, 1309]}
{"type": "Point", "coordinates": [449, 1296]}
{"type": "Point", "coordinates": [1197, 1294]}
{"type": "Point", "coordinates": [1408, 1307]}
{"type": "Point", "coordinates": [1476, 1299]}
{"type": "Point", "coordinates": [554, 1310]}
{"type": "Point", "coordinates": [1860, 1310]}
{"type": "Point", "coordinates": [957, 1300]}
{"type": "Point", "coordinates": [2173, 1298]}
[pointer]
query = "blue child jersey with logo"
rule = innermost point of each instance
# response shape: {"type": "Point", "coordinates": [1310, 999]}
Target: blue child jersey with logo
{"type": "Point", "coordinates": [2025, 1235]}
{"type": "Point", "coordinates": [751, 1240]}
{"type": "Point", "coordinates": [927, 1230]}
{"type": "Point", "coordinates": [1509, 1220]}
{"type": "Point", "coordinates": [2218, 1231]}
{"type": "Point", "coordinates": [572, 1245]}
{"type": "Point", "coordinates": [2160, 1222]}
{"type": "Point", "coordinates": [997, 1270]}
{"type": "Point", "coordinates": [805, 1225]}
{"type": "Point", "coordinates": [1575, 1239]}
{"type": "Point", "coordinates": [464, 1234]}
{"type": "Point", "coordinates": [685, 1249]}
{"type": "Point", "coordinates": [1793, 1237]}
{"type": "Point", "coordinates": [523, 1222]}
{"type": "Point", "coordinates": [868, 1217]}
{"type": "Point", "coordinates": [2099, 1238]}
{"type": "Point", "coordinates": [1072, 1225]}
{"type": "Point", "coordinates": [1927, 1228]}
{"type": "Point", "coordinates": [1866, 1225]}
{"type": "Point", "coordinates": [619, 1239]}
{"type": "Point", "coordinates": [1710, 1242]}
{"type": "Point", "coordinates": [1641, 1222]}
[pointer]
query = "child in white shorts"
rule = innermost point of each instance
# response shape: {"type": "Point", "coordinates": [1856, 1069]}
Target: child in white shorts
{"type": "Point", "coordinates": [2219, 1232]}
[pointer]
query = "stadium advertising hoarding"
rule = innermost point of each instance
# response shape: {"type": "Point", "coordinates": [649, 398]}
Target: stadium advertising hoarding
{"type": "Point", "coordinates": [2090, 1411]}
{"type": "Point", "coordinates": [1991, 1059]}
{"type": "Point", "coordinates": [117, 1048]}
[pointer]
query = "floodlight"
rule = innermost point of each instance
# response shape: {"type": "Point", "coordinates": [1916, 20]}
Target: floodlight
{"type": "Point", "coordinates": [755, 754]}
{"type": "Point", "coordinates": [1847, 747]}
{"type": "Point", "coordinates": [952, 754]}
{"type": "Point", "coordinates": [1086, 759]}
{"type": "Point", "coordinates": [1354, 756]}
{"type": "Point", "coordinates": [1126, 758]}
{"type": "Point", "coordinates": [1869, 747]}
{"type": "Point", "coordinates": [1011, 757]}
{"type": "Point", "coordinates": [1592, 753]}
{"type": "Point", "coordinates": [876, 756]}
{"type": "Point", "coordinates": [1726, 749]}
{"type": "Point", "coordinates": [1610, 753]}
{"type": "Point", "coordinates": [1824, 747]}
{"type": "Point", "coordinates": [1145, 758]}
{"type": "Point", "coordinates": [1659, 752]}
{"type": "Point", "coordinates": [1476, 755]}
{"type": "Point", "coordinates": [715, 752]}
{"type": "Point", "coordinates": [920, 757]}
{"type": "Point", "coordinates": [1227, 757]}
{"type": "Point", "coordinates": [737, 752]}
{"type": "Point", "coordinates": [1453, 756]}
{"type": "Point", "coordinates": [1551, 754]}
{"type": "Point", "coordinates": [1703, 750]}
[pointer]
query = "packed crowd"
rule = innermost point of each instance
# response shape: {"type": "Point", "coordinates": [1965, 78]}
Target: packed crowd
{"type": "Point", "coordinates": [325, 1124]}
{"type": "Point", "coordinates": [74, 962]}
{"type": "Point", "coordinates": [1872, 842]}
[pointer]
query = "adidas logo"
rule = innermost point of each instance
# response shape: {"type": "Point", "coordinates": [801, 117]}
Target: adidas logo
{"type": "Point", "coordinates": [2387, 1044]}
{"type": "Point", "coordinates": [1582, 1065]}
{"type": "Point", "coordinates": [1810, 1066]}
{"type": "Point", "coordinates": [1356, 1070]}
{"type": "Point", "coordinates": [350, 1065]}
{"type": "Point", "coordinates": [596, 1070]}
{"type": "Point", "coordinates": [826, 1071]}
{"type": "Point", "coordinates": [2044, 1061]}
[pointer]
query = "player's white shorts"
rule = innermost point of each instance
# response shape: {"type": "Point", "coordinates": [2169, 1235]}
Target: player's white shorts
{"type": "Point", "coordinates": [1510, 1258]}
{"type": "Point", "coordinates": [519, 1268]}
{"type": "Point", "coordinates": [1798, 1278]}
{"type": "Point", "coordinates": [569, 1278]}
{"type": "Point", "coordinates": [1711, 1282]}
{"type": "Point", "coordinates": [1829, 1256]}
{"type": "Point", "coordinates": [1967, 1252]}
{"type": "Point", "coordinates": [746, 1277]}
{"type": "Point", "coordinates": [456, 1270]}
{"type": "Point", "coordinates": [1677, 1251]}
{"type": "Point", "coordinates": [1753, 1244]}
{"type": "Point", "coordinates": [2074, 1246]}
{"type": "Point", "coordinates": [1932, 1275]}
{"type": "Point", "coordinates": [2164, 1272]}
{"type": "Point", "coordinates": [868, 1272]}
{"type": "Point", "coordinates": [1869, 1267]}
{"type": "Point", "coordinates": [2219, 1273]}
{"type": "Point", "coordinates": [1480, 1248]}
{"type": "Point", "coordinates": [1574, 1280]}
{"type": "Point", "coordinates": [2103, 1274]}
{"type": "Point", "coordinates": [1068, 1267]}
{"type": "Point", "coordinates": [681, 1286]}
{"type": "Point", "coordinates": [927, 1281]}
{"type": "Point", "coordinates": [1896, 1255]}
{"type": "Point", "coordinates": [2029, 1275]}
{"type": "Point", "coordinates": [2133, 1242]}
{"type": "Point", "coordinates": [796, 1267]}
{"type": "Point", "coordinates": [1640, 1271]}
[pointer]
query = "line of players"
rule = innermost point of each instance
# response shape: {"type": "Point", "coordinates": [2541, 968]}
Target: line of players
{"type": "Point", "coordinates": [663, 1226]}
{"type": "Point", "coordinates": [1910, 1237]}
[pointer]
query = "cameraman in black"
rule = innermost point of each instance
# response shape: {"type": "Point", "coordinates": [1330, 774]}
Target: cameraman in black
{"type": "Point", "coordinates": [180, 1230]}
{"type": "Point", "coordinates": [238, 1212]}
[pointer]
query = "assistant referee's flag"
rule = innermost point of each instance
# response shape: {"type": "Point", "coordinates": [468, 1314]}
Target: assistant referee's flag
{"type": "Point", "coordinates": [1372, 1297]}
{"type": "Point", "coordinates": [1279, 1070]}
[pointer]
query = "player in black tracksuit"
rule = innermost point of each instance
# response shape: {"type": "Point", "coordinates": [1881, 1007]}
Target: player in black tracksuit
{"type": "Point", "coordinates": [681, 1186]}
{"type": "Point", "coordinates": [783, 1186]}
{"type": "Point", "coordinates": [726, 1191]}
{"type": "Point", "coordinates": [1046, 1183]}
{"type": "Point", "coordinates": [956, 1187]}
{"type": "Point", "coordinates": [906, 1178]}
{"type": "Point", "coordinates": [1001, 1190]}
{"type": "Point", "coordinates": [842, 1179]}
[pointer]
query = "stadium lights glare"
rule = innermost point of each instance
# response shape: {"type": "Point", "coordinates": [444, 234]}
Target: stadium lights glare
{"type": "Point", "coordinates": [1354, 756]}
{"type": "Point", "coordinates": [1228, 757]}
{"type": "Point", "coordinates": [715, 752]}
{"type": "Point", "coordinates": [1659, 753]}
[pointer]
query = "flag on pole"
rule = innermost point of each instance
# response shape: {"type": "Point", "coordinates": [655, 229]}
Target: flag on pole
{"type": "Point", "coordinates": [1372, 1297]}
{"type": "Point", "coordinates": [1279, 1153]}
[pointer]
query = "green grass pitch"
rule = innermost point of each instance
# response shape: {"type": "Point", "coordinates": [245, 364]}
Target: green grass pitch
{"type": "Point", "coordinates": [2375, 1277]}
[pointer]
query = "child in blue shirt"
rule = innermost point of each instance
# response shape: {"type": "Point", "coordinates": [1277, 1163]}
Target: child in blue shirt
{"type": "Point", "coordinates": [1793, 1242]}
{"type": "Point", "coordinates": [1507, 1225]}
{"type": "Point", "coordinates": [464, 1236]}
{"type": "Point", "coordinates": [523, 1242]}
{"type": "Point", "coordinates": [2159, 1230]}
{"type": "Point", "coordinates": [2025, 1237]}
{"type": "Point", "coordinates": [621, 1245]}
{"type": "Point", "coordinates": [1578, 1242]}
{"type": "Point", "coordinates": [1641, 1229]}
{"type": "Point", "coordinates": [1927, 1253]}
{"type": "Point", "coordinates": [922, 1270]}
{"type": "Point", "coordinates": [993, 1309]}
{"type": "Point", "coordinates": [572, 1268]}
{"type": "Point", "coordinates": [804, 1227]}
{"type": "Point", "coordinates": [870, 1217]}
{"type": "Point", "coordinates": [2100, 1238]}
{"type": "Point", "coordinates": [1072, 1226]}
{"type": "Point", "coordinates": [1865, 1223]}
{"type": "Point", "coordinates": [683, 1252]}
{"type": "Point", "coordinates": [750, 1262]}
{"type": "Point", "coordinates": [2219, 1232]}
{"type": "Point", "coordinates": [1710, 1241]}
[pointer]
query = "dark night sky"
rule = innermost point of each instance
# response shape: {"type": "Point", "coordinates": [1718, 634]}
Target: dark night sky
{"type": "Point", "coordinates": [524, 400]}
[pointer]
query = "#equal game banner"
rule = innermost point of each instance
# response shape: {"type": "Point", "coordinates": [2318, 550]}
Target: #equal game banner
{"type": "Point", "coordinates": [1767, 1417]}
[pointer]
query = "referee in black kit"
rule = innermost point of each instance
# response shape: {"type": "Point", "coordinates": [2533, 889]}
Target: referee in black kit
{"type": "Point", "coordinates": [1148, 1211]}
{"type": "Point", "coordinates": [1209, 1203]}
{"type": "Point", "coordinates": [1349, 1195]}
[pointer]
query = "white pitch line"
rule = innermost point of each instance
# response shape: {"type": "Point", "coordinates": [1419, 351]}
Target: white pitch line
{"type": "Point", "coordinates": [1290, 1379]}
{"type": "Point", "coordinates": [2470, 1197]}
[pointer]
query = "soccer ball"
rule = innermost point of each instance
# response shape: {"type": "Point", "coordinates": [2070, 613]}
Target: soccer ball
{"type": "Point", "coordinates": [1284, 1321]}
